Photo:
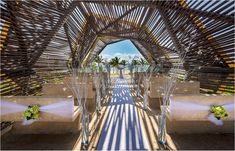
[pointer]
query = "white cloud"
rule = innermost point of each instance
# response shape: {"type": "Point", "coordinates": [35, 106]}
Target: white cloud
{"type": "Point", "coordinates": [124, 56]}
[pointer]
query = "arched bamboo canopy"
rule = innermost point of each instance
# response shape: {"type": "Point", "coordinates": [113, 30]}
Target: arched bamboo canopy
{"type": "Point", "coordinates": [40, 36]}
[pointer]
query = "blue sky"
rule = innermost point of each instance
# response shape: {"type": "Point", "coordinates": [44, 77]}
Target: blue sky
{"type": "Point", "coordinates": [123, 49]}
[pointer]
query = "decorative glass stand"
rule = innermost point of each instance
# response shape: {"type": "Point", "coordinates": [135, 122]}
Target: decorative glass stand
{"type": "Point", "coordinates": [138, 85]}
{"type": "Point", "coordinates": [103, 85]}
{"type": "Point", "coordinates": [162, 125]}
{"type": "Point", "coordinates": [98, 100]}
{"type": "Point", "coordinates": [97, 82]}
{"type": "Point", "coordinates": [85, 128]}
{"type": "Point", "coordinates": [146, 87]}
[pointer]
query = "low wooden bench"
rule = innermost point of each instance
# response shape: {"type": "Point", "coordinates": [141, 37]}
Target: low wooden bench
{"type": "Point", "coordinates": [157, 84]}
{"type": "Point", "coordinates": [156, 91]}
{"type": "Point", "coordinates": [191, 116]}
{"type": "Point", "coordinates": [63, 90]}
{"type": "Point", "coordinates": [89, 76]}
{"type": "Point", "coordinates": [47, 122]}
{"type": "Point", "coordinates": [187, 87]}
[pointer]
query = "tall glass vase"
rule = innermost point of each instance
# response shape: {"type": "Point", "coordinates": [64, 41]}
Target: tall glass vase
{"type": "Point", "coordinates": [103, 85]}
{"type": "Point", "coordinates": [97, 82]}
{"type": "Point", "coordinates": [145, 101]}
{"type": "Point", "coordinates": [146, 86]}
{"type": "Point", "coordinates": [98, 100]}
{"type": "Point", "coordinates": [162, 125]}
{"type": "Point", "coordinates": [138, 85]}
{"type": "Point", "coordinates": [85, 128]}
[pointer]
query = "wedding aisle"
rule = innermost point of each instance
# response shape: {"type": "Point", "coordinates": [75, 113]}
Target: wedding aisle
{"type": "Point", "coordinates": [122, 129]}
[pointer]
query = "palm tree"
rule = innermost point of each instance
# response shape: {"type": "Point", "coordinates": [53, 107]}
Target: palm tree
{"type": "Point", "coordinates": [123, 63]}
{"type": "Point", "coordinates": [119, 64]}
{"type": "Point", "coordinates": [99, 60]}
{"type": "Point", "coordinates": [143, 61]}
{"type": "Point", "coordinates": [114, 62]}
{"type": "Point", "coordinates": [111, 62]}
{"type": "Point", "coordinates": [135, 63]}
{"type": "Point", "coordinates": [144, 64]}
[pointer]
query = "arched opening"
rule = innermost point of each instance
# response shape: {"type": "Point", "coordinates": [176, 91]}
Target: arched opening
{"type": "Point", "coordinates": [124, 52]}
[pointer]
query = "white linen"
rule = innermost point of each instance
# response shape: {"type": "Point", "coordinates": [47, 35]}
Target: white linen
{"type": "Point", "coordinates": [58, 108]}
{"type": "Point", "coordinates": [194, 111]}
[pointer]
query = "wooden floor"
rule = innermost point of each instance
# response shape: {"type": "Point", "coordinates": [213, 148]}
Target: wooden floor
{"type": "Point", "coordinates": [123, 129]}
{"type": "Point", "coordinates": [203, 141]}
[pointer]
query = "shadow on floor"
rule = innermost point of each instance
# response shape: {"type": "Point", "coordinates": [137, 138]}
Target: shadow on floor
{"type": "Point", "coordinates": [150, 123]}
{"type": "Point", "coordinates": [203, 141]}
{"type": "Point", "coordinates": [122, 128]}
{"type": "Point", "coordinates": [39, 141]}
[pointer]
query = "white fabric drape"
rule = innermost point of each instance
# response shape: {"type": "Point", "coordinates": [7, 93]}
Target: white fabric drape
{"type": "Point", "coordinates": [59, 108]}
{"type": "Point", "coordinates": [62, 108]}
{"type": "Point", "coordinates": [189, 110]}
{"type": "Point", "coordinates": [10, 107]}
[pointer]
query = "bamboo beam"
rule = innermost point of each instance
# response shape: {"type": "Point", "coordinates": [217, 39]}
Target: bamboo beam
{"type": "Point", "coordinates": [170, 30]}
{"type": "Point", "coordinates": [148, 56]}
{"type": "Point", "coordinates": [86, 52]}
{"type": "Point", "coordinates": [19, 34]}
{"type": "Point", "coordinates": [202, 30]}
{"type": "Point", "coordinates": [48, 39]}
{"type": "Point", "coordinates": [118, 19]}
{"type": "Point", "coordinates": [69, 40]}
{"type": "Point", "coordinates": [88, 17]}
{"type": "Point", "coordinates": [211, 15]}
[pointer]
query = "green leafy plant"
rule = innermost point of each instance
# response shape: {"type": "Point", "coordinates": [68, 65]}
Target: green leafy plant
{"type": "Point", "coordinates": [143, 62]}
{"type": "Point", "coordinates": [115, 62]}
{"type": "Point", "coordinates": [123, 62]}
{"type": "Point", "coordinates": [218, 111]}
{"type": "Point", "coordinates": [32, 112]}
{"type": "Point", "coordinates": [99, 60]}
{"type": "Point", "coordinates": [135, 62]}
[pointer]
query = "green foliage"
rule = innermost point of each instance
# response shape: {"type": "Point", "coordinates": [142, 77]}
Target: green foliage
{"type": "Point", "coordinates": [140, 61]}
{"type": "Point", "coordinates": [101, 69]}
{"type": "Point", "coordinates": [32, 112]}
{"type": "Point", "coordinates": [115, 62]}
{"type": "Point", "coordinates": [219, 112]}
{"type": "Point", "coordinates": [94, 67]}
{"type": "Point", "coordinates": [123, 62]}
{"type": "Point", "coordinates": [97, 68]}
{"type": "Point", "coordinates": [135, 62]}
{"type": "Point", "coordinates": [99, 59]}
{"type": "Point", "coordinates": [143, 62]}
